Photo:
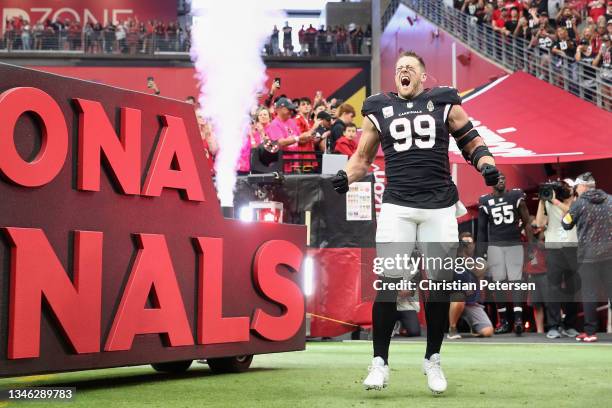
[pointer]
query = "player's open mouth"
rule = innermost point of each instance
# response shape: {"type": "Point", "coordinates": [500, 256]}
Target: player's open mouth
{"type": "Point", "coordinates": [405, 81]}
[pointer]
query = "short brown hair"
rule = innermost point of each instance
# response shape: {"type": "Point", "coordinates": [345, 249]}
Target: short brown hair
{"type": "Point", "coordinates": [345, 108]}
{"type": "Point", "coordinates": [413, 55]}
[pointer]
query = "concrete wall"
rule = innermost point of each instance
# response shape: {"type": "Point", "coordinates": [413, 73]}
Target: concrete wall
{"type": "Point", "coordinates": [346, 13]}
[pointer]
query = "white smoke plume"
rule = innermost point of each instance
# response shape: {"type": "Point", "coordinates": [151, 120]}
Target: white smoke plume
{"type": "Point", "coordinates": [226, 42]}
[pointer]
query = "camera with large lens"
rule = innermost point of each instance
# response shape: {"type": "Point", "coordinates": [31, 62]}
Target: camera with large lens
{"type": "Point", "coordinates": [561, 191]}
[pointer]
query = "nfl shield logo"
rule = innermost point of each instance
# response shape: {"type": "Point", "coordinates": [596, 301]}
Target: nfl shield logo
{"type": "Point", "coordinates": [491, 202]}
{"type": "Point", "coordinates": [409, 105]}
{"type": "Point", "coordinates": [430, 106]}
{"type": "Point", "coordinates": [387, 111]}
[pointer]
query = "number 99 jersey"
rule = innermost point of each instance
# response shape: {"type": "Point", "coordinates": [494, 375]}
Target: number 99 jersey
{"type": "Point", "coordinates": [414, 136]}
{"type": "Point", "coordinates": [503, 215]}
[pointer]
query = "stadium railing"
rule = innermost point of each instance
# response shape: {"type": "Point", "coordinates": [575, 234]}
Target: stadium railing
{"type": "Point", "coordinates": [577, 77]}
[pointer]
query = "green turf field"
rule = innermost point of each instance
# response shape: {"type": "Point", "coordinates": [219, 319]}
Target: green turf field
{"type": "Point", "coordinates": [330, 375]}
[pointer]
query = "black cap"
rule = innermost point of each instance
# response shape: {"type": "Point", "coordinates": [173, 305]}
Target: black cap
{"type": "Point", "coordinates": [324, 116]}
{"type": "Point", "coordinates": [285, 103]}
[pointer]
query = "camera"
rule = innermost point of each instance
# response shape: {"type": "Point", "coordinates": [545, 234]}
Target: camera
{"type": "Point", "coordinates": [561, 191]}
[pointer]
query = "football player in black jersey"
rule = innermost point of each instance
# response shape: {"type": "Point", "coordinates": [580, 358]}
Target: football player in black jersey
{"type": "Point", "coordinates": [420, 202]}
{"type": "Point", "coordinates": [498, 226]}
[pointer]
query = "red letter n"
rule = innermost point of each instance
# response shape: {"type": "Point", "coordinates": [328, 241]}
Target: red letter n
{"type": "Point", "coordinates": [36, 272]}
{"type": "Point", "coordinates": [97, 136]}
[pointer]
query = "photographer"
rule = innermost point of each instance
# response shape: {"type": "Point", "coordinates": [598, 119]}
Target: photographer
{"type": "Point", "coordinates": [561, 260]}
{"type": "Point", "coordinates": [590, 213]}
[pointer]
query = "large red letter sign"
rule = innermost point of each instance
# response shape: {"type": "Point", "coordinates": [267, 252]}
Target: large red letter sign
{"type": "Point", "coordinates": [97, 136]}
{"type": "Point", "coordinates": [50, 159]}
{"type": "Point", "coordinates": [152, 273]}
{"type": "Point", "coordinates": [278, 289]}
{"type": "Point", "coordinates": [36, 272]}
{"type": "Point", "coordinates": [173, 150]}
{"type": "Point", "coordinates": [212, 326]}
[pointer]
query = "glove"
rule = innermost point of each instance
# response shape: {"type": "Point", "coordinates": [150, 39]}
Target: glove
{"type": "Point", "coordinates": [340, 182]}
{"type": "Point", "coordinates": [490, 174]}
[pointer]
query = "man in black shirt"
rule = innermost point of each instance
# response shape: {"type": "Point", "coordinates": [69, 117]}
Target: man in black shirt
{"type": "Point", "coordinates": [420, 203]}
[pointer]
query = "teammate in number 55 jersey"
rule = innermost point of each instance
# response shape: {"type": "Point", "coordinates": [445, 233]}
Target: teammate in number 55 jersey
{"type": "Point", "coordinates": [420, 202]}
{"type": "Point", "coordinates": [498, 227]}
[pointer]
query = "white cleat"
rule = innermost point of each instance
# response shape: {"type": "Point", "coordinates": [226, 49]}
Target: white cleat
{"type": "Point", "coordinates": [378, 375]}
{"type": "Point", "coordinates": [435, 377]}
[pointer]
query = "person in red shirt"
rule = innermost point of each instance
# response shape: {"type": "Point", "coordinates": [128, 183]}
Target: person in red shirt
{"type": "Point", "coordinates": [305, 124]}
{"type": "Point", "coordinates": [347, 144]}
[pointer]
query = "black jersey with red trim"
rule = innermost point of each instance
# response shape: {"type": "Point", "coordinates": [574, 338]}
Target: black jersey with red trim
{"type": "Point", "coordinates": [503, 215]}
{"type": "Point", "coordinates": [414, 136]}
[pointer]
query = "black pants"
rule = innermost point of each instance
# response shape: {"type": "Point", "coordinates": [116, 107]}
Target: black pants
{"type": "Point", "coordinates": [384, 316]}
{"type": "Point", "coordinates": [596, 287]}
{"type": "Point", "coordinates": [562, 281]}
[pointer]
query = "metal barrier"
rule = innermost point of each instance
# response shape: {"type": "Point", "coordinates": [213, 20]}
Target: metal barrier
{"type": "Point", "coordinates": [581, 79]}
{"type": "Point", "coordinates": [106, 42]}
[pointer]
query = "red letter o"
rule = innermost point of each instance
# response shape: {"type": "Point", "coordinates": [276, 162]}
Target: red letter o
{"type": "Point", "coordinates": [50, 159]}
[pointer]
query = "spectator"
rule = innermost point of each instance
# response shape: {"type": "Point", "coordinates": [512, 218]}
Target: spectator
{"type": "Point", "coordinates": [568, 18]}
{"type": "Point", "coordinates": [287, 42]}
{"type": "Point", "coordinates": [512, 23]}
{"type": "Point", "coordinates": [346, 114]}
{"type": "Point", "coordinates": [97, 37]}
{"type": "Point", "coordinates": [88, 33]}
{"type": "Point", "coordinates": [367, 37]}
{"type": "Point", "coordinates": [564, 51]}
{"type": "Point", "coordinates": [306, 124]}
{"type": "Point", "coordinates": [26, 35]}
{"type": "Point", "coordinates": [254, 138]}
{"type": "Point", "coordinates": [121, 36]}
{"type": "Point", "coordinates": [302, 40]}
{"type": "Point", "coordinates": [596, 8]}
{"type": "Point", "coordinates": [109, 38]}
{"type": "Point", "coordinates": [323, 131]}
{"type": "Point", "coordinates": [586, 52]}
{"type": "Point", "coordinates": [38, 32]}
{"type": "Point", "coordinates": [311, 39]}
{"type": "Point", "coordinates": [561, 261]}
{"type": "Point", "coordinates": [604, 61]}
{"type": "Point", "coordinates": [285, 132]}
{"type": "Point", "coordinates": [357, 40]}
{"type": "Point", "coordinates": [543, 39]}
{"type": "Point", "coordinates": [590, 213]}
{"type": "Point", "coordinates": [346, 144]}
{"type": "Point", "coordinates": [274, 45]}
{"type": "Point", "coordinates": [535, 268]}
{"type": "Point", "coordinates": [466, 306]}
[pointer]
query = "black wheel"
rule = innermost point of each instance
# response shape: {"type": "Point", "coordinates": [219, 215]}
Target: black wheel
{"type": "Point", "coordinates": [174, 367]}
{"type": "Point", "coordinates": [236, 364]}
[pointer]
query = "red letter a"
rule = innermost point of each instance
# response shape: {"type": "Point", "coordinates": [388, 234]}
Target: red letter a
{"type": "Point", "coordinates": [152, 273]}
{"type": "Point", "coordinates": [36, 272]}
{"type": "Point", "coordinates": [173, 164]}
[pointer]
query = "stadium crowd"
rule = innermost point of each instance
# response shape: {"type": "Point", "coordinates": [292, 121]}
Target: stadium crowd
{"type": "Point", "coordinates": [296, 131]}
{"type": "Point", "coordinates": [128, 37]}
{"type": "Point", "coordinates": [577, 31]}
{"type": "Point", "coordinates": [132, 36]}
{"type": "Point", "coordinates": [324, 41]}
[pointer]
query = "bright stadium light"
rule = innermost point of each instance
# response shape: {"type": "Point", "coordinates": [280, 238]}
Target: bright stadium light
{"type": "Point", "coordinates": [245, 214]}
{"type": "Point", "coordinates": [308, 276]}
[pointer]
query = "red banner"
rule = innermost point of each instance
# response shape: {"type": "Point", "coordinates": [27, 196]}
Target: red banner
{"type": "Point", "coordinates": [88, 11]}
